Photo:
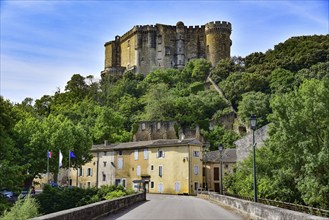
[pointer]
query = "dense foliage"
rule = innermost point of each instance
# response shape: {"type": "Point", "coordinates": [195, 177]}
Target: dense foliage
{"type": "Point", "coordinates": [294, 164]}
{"type": "Point", "coordinates": [56, 199]}
{"type": "Point", "coordinates": [277, 83]}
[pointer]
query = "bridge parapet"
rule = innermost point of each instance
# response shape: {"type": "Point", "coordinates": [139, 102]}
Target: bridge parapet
{"type": "Point", "coordinates": [95, 210]}
{"type": "Point", "coordinates": [257, 210]}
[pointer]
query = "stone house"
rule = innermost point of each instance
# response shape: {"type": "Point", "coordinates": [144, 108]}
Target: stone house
{"type": "Point", "coordinates": [211, 167]}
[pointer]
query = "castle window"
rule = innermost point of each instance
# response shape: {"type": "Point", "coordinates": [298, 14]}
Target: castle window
{"type": "Point", "coordinates": [159, 39]}
{"type": "Point", "coordinates": [167, 51]}
{"type": "Point", "coordinates": [128, 43]}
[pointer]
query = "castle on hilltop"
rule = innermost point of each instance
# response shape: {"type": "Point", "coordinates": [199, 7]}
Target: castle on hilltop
{"type": "Point", "coordinates": [149, 47]}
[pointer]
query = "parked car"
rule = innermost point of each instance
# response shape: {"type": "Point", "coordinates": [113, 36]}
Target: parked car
{"type": "Point", "coordinates": [7, 193]}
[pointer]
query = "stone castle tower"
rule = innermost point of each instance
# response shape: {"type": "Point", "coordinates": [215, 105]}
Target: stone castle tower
{"type": "Point", "coordinates": [149, 47]}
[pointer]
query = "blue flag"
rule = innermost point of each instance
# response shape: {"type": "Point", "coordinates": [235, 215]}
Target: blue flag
{"type": "Point", "coordinates": [72, 155]}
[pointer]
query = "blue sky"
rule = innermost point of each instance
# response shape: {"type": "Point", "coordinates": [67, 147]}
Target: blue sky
{"type": "Point", "coordinates": [43, 43]}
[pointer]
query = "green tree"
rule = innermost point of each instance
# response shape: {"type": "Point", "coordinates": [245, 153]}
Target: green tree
{"type": "Point", "coordinates": [37, 136]}
{"type": "Point", "coordinates": [256, 103]}
{"type": "Point", "coordinates": [10, 170]}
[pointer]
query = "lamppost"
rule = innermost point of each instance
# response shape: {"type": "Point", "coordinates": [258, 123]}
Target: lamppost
{"type": "Point", "coordinates": [253, 124]}
{"type": "Point", "coordinates": [220, 149]}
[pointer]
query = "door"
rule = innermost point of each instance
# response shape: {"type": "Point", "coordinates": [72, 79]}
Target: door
{"type": "Point", "coordinates": [177, 187]}
{"type": "Point", "coordinates": [216, 187]}
{"type": "Point", "coordinates": [160, 187]}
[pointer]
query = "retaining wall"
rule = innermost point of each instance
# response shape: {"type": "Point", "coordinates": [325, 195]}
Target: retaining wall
{"type": "Point", "coordinates": [95, 210]}
{"type": "Point", "coordinates": [257, 211]}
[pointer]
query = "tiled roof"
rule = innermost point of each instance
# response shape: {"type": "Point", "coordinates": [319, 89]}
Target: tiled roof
{"type": "Point", "coordinates": [151, 143]}
{"type": "Point", "coordinates": [229, 155]}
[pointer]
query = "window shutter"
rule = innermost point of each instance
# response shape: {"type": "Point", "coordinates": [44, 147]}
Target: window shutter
{"type": "Point", "coordinates": [136, 154]}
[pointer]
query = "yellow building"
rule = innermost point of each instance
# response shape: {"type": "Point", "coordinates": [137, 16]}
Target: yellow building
{"type": "Point", "coordinates": [99, 171]}
{"type": "Point", "coordinates": [170, 166]}
{"type": "Point", "coordinates": [211, 167]}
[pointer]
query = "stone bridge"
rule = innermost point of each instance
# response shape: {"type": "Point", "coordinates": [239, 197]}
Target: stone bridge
{"type": "Point", "coordinates": [207, 205]}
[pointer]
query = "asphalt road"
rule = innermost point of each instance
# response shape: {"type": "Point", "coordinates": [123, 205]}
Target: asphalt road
{"type": "Point", "coordinates": [159, 206]}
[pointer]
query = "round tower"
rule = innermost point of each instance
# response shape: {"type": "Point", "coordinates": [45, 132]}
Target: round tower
{"type": "Point", "coordinates": [218, 42]}
{"type": "Point", "coordinates": [180, 45]}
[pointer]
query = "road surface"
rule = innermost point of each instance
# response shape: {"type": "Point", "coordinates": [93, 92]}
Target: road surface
{"type": "Point", "coordinates": [159, 206]}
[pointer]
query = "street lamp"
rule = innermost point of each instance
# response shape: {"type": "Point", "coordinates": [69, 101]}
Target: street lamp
{"type": "Point", "coordinates": [220, 149]}
{"type": "Point", "coordinates": [253, 124]}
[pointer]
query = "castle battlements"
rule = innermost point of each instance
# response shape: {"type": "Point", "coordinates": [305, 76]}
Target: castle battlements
{"type": "Point", "coordinates": [147, 47]}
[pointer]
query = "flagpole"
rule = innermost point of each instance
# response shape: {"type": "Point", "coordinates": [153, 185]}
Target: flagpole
{"type": "Point", "coordinates": [68, 175]}
{"type": "Point", "coordinates": [47, 166]}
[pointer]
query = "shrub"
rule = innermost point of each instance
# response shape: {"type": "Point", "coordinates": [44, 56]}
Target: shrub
{"type": "Point", "coordinates": [115, 194]}
{"type": "Point", "coordinates": [23, 209]}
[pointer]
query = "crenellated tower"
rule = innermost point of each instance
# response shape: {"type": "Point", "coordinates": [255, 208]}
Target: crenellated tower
{"type": "Point", "coordinates": [218, 42]}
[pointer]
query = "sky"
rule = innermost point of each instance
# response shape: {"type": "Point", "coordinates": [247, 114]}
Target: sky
{"type": "Point", "coordinates": [43, 43]}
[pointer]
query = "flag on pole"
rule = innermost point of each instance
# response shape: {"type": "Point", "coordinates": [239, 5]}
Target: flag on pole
{"type": "Point", "coordinates": [50, 154]}
{"type": "Point", "coordinates": [60, 158]}
{"type": "Point", "coordinates": [72, 155]}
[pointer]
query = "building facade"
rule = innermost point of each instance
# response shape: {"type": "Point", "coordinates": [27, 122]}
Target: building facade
{"type": "Point", "coordinates": [148, 47]}
{"type": "Point", "coordinates": [211, 167]}
{"type": "Point", "coordinates": [165, 166]}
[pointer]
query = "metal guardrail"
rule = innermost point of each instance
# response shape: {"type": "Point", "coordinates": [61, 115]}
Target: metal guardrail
{"type": "Point", "coordinates": [285, 205]}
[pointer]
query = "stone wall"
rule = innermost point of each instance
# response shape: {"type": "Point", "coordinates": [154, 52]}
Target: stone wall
{"type": "Point", "coordinates": [257, 210]}
{"type": "Point", "coordinates": [244, 145]}
{"type": "Point", "coordinates": [148, 47]}
{"type": "Point", "coordinates": [95, 210]}
{"type": "Point", "coordinates": [155, 130]}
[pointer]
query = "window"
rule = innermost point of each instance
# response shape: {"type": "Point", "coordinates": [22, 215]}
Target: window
{"type": "Point", "coordinates": [152, 185]}
{"type": "Point", "coordinates": [158, 125]}
{"type": "Point", "coordinates": [146, 154]}
{"type": "Point", "coordinates": [89, 172]}
{"type": "Point", "coordinates": [143, 126]}
{"type": "Point", "coordinates": [226, 166]}
{"type": "Point", "coordinates": [128, 43]}
{"type": "Point", "coordinates": [80, 185]}
{"type": "Point", "coordinates": [80, 171]}
{"type": "Point", "coordinates": [117, 182]}
{"type": "Point", "coordinates": [88, 184]}
{"type": "Point", "coordinates": [104, 177]}
{"type": "Point", "coordinates": [160, 154]}
{"type": "Point", "coordinates": [196, 153]}
{"type": "Point", "coordinates": [120, 152]}
{"type": "Point", "coordinates": [167, 51]}
{"type": "Point", "coordinates": [104, 153]}
{"type": "Point", "coordinates": [120, 163]}
{"type": "Point", "coordinates": [216, 173]}
{"type": "Point", "coordinates": [136, 154]}
{"type": "Point", "coordinates": [104, 163]}
{"type": "Point", "coordinates": [123, 182]}
{"type": "Point", "coordinates": [152, 167]}
{"type": "Point", "coordinates": [203, 171]}
{"type": "Point", "coordinates": [160, 171]}
{"type": "Point", "coordinates": [196, 169]}
{"type": "Point", "coordinates": [138, 170]}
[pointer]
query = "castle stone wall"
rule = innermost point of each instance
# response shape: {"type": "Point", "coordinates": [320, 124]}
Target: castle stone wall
{"type": "Point", "coordinates": [244, 145]}
{"type": "Point", "coordinates": [146, 48]}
